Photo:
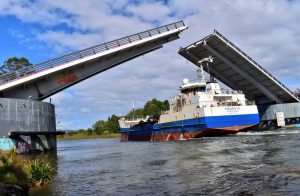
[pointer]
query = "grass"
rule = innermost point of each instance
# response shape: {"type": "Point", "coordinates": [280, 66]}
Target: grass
{"type": "Point", "coordinates": [39, 172]}
{"type": "Point", "coordinates": [25, 173]}
{"type": "Point", "coordinates": [11, 169]}
{"type": "Point", "coordinates": [77, 136]}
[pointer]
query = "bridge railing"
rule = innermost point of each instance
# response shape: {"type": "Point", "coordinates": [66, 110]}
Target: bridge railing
{"type": "Point", "coordinates": [26, 71]}
{"type": "Point", "coordinates": [254, 62]}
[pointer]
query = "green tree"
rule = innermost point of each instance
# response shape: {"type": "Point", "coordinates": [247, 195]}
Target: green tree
{"type": "Point", "coordinates": [99, 127]}
{"type": "Point", "coordinates": [166, 105]}
{"type": "Point", "coordinates": [89, 131]}
{"type": "Point", "coordinates": [15, 63]}
{"type": "Point", "coordinates": [151, 108]}
{"type": "Point", "coordinates": [112, 124]}
{"type": "Point", "coordinates": [109, 126]}
{"type": "Point", "coordinates": [154, 107]}
{"type": "Point", "coordinates": [138, 113]}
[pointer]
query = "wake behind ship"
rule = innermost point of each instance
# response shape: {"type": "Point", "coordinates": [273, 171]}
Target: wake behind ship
{"type": "Point", "coordinates": [200, 109]}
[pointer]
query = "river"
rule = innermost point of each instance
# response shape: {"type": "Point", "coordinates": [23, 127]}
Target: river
{"type": "Point", "coordinates": [251, 163]}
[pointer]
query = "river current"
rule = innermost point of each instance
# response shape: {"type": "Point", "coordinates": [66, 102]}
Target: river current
{"type": "Point", "coordinates": [251, 163]}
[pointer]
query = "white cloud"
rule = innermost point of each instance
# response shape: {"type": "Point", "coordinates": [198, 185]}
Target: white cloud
{"type": "Point", "coordinates": [268, 31]}
{"type": "Point", "coordinates": [4, 5]}
{"type": "Point", "coordinates": [64, 125]}
{"type": "Point", "coordinates": [85, 110]}
{"type": "Point", "coordinates": [149, 11]}
{"type": "Point", "coordinates": [31, 11]}
{"type": "Point", "coordinates": [63, 41]}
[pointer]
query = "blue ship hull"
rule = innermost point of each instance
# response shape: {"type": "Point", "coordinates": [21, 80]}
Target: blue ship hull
{"type": "Point", "coordinates": [190, 128]}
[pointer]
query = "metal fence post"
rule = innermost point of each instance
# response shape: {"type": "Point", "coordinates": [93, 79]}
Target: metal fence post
{"type": "Point", "coordinates": [66, 58]}
{"type": "Point", "coordinates": [50, 63]}
{"type": "Point", "coordinates": [17, 74]}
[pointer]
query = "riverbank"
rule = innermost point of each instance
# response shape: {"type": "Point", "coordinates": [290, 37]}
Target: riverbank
{"type": "Point", "coordinates": [27, 174]}
{"type": "Point", "coordinates": [77, 136]}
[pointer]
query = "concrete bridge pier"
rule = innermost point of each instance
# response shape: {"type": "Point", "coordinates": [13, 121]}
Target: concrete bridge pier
{"type": "Point", "coordinates": [27, 125]}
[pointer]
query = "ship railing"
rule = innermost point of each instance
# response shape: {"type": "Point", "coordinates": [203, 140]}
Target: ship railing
{"type": "Point", "coordinates": [33, 69]}
{"type": "Point", "coordinates": [222, 90]}
{"type": "Point", "coordinates": [225, 91]}
{"type": "Point", "coordinates": [218, 91]}
{"type": "Point", "coordinates": [187, 106]}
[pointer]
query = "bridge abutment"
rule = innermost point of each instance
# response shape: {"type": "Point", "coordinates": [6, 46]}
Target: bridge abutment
{"type": "Point", "coordinates": [289, 114]}
{"type": "Point", "coordinates": [27, 125]}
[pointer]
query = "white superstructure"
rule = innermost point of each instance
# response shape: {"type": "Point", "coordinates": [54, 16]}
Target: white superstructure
{"type": "Point", "coordinates": [203, 99]}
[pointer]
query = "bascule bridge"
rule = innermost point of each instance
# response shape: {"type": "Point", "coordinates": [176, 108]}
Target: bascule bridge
{"type": "Point", "coordinates": [28, 123]}
{"type": "Point", "coordinates": [237, 70]}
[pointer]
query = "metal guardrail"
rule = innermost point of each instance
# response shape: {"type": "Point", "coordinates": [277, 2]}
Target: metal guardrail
{"type": "Point", "coordinates": [221, 90]}
{"type": "Point", "coordinates": [230, 103]}
{"type": "Point", "coordinates": [235, 47]}
{"type": "Point", "coordinates": [22, 72]}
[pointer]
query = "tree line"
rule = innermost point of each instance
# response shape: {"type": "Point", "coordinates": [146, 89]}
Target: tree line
{"type": "Point", "coordinates": [153, 107]}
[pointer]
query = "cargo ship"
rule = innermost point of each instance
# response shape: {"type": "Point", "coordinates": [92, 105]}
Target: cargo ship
{"type": "Point", "coordinates": [201, 108]}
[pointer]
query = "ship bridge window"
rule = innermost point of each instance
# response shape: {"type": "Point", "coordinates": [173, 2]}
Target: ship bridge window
{"type": "Point", "coordinates": [185, 91]}
{"type": "Point", "coordinates": [193, 90]}
{"type": "Point", "coordinates": [200, 89]}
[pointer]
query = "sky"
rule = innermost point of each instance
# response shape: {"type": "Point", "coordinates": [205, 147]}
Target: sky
{"type": "Point", "coordinates": [268, 31]}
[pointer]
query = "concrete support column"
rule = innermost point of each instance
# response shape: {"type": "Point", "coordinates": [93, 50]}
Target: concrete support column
{"type": "Point", "coordinates": [27, 125]}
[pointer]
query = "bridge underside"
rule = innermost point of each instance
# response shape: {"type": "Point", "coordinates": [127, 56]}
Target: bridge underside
{"type": "Point", "coordinates": [237, 70]}
{"type": "Point", "coordinates": [53, 83]}
{"type": "Point", "coordinates": [48, 78]}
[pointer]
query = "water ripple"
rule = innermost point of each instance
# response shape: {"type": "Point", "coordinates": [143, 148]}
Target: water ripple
{"type": "Point", "coordinates": [251, 163]}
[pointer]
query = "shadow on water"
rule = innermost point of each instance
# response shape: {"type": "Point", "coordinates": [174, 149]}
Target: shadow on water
{"type": "Point", "coordinates": [251, 163]}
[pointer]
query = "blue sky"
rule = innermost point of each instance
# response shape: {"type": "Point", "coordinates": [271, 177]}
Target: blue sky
{"type": "Point", "coordinates": [10, 44]}
{"type": "Point", "coordinates": [39, 30]}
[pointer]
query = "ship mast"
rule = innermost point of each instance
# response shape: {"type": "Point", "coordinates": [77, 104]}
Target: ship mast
{"type": "Point", "coordinates": [132, 109]}
{"type": "Point", "coordinates": [201, 75]}
{"type": "Point", "coordinates": [200, 71]}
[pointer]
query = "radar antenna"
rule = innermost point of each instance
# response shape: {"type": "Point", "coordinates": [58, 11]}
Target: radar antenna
{"type": "Point", "coordinates": [204, 61]}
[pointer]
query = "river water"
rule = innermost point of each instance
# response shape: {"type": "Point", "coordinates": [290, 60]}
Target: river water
{"type": "Point", "coordinates": [252, 163]}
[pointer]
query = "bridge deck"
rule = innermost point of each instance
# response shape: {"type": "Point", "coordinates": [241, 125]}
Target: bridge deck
{"type": "Point", "coordinates": [102, 57]}
{"type": "Point", "coordinates": [237, 70]}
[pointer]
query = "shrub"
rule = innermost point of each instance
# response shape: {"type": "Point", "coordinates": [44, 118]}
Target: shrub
{"type": "Point", "coordinates": [106, 132]}
{"type": "Point", "coordinates": [11, 169]}
{"type": "Point", "coordinates": [39, 172]}
{"type": "Point", "coordinates": [25, 173]}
